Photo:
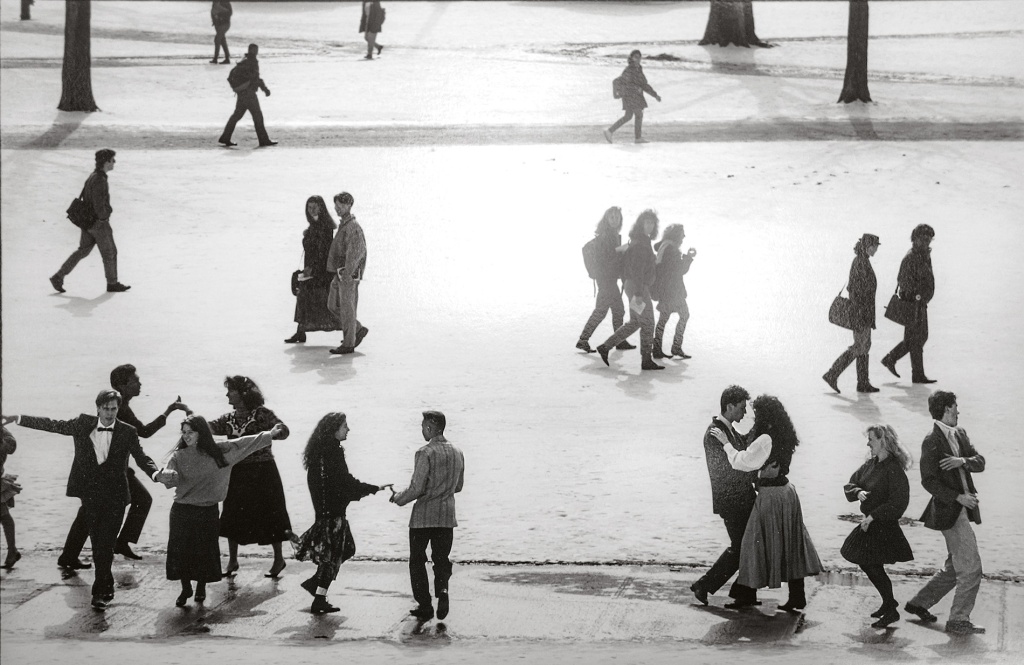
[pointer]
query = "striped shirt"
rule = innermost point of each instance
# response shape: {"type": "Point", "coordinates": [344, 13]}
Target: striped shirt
{"type": "Point", "coordinates": [437, 476]}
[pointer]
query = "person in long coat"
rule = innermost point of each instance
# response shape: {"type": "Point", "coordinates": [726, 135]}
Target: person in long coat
{"type": "Point", "coordinates": [609, 270]}
{"type": "Point", "coordinates": [220, 14]}
{"type": "Point", "coordinates": [371, 24]}
{"type": "Point", "coordinates": [862, 286]}
{"type": "Point", "coordinates": [311, 311]}
{"type": "Point", "coordinates": [670, 289]}
{"type": "Point", "coordinates": [916, 284]}
{"type": "Point", "coordinates": [883, 490]}
{"type": "Point", "coordinates": [633, 84]}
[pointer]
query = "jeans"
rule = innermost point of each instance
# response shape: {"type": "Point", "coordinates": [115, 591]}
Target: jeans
{"type": "Point", "coordinates": [637, 125]}
{"type": "Point", "coordinates": [663, 317]}
{"type": "Point", "coordinates": [644, 321]}
{"type": "Point", "coordinates": [608, 297]}
{"type": "Point", "coordinates": [962, 570]}
{"type": "Point", "coordinates": [343, 302]}
{"type": "Point", "coordinates": [102, 236]}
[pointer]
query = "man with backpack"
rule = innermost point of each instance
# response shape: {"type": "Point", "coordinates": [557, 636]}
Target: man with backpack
{"type": "Point", "coordinates": [245, 81]}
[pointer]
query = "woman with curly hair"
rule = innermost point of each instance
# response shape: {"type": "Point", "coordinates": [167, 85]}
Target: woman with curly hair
{"type": "Point", "coordinates": [609, 269]}
{"type": "Point", "coordinates": [776, 546]}
{"type": "Point", "coordinates": [883, 490]}
{"type": "Point", "coordinates": [328, 543]}
{"type": "Point", "coordinates": [254, 509]}
{"type": "Point", "coordinates": [201, 469]}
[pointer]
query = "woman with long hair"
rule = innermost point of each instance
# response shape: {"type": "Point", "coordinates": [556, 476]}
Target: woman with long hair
{"type": "Point", "coordinates": [311, 312]}
{"type": "Point", "coordinates": [220, 14]}
{"type": "Point", "coordinates": [861, 287]}
{"type": "Point", "coordinates": [201, 472]}
{"type": "Point", "coordinates": [609, 268]}
{"type": "Point", "coordinates": [776, 546]}
{"type": "Point", "coordinates": [638, 275]}
{"type": "Point", "coordinates": [328, 543]}
{"type": "Point", "coordinates": [254, 508]}
{"type": "Point", "coordinates": [882, 488]}
{"type": "Point", "coordinates": [670, 290]}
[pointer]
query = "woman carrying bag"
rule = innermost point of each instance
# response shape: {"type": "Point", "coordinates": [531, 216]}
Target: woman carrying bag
{"type": "Point", "coordinates": [862, 287]}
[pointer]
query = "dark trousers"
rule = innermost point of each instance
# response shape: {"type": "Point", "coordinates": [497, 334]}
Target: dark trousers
{"type": "Point", "coordinates": [608, 298]}
{"type": "Point", "coordinates": [637, 126]}
{"type": "Point", "coordinates": [141, 501]}
{"type": "Point", "coordinates": [914, 337]}
{"type": "Point", "coordinates": [247, 101]}
{"type": "Point", "coordinates": [729, 562]}
{"type": "Point", "coordinates": [220, 39]}
{"type": "Point", "coordinates": [440, 540]}
{"type": "Point", "coordinates": [644, 322]}
{"type": "Point", "coordinates": [99, 235]}
{"type": "Point", "coordinates": [104, 519]}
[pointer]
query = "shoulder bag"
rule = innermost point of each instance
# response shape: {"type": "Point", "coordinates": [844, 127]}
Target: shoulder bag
{"type": "Point", "coordinates": [903, 312]}
{"type": "Point", "coordinates": [841, 311]}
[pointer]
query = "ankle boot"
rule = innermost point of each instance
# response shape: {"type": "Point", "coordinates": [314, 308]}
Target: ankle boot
{"type": "Point", "coordinates": [863, 383]}
{"type": "Point", "coordinates": [657, 352]}
{"type": "Point", "coordinates": [831, 377]}
{"type": "Point", "coordinates": [647, 363]}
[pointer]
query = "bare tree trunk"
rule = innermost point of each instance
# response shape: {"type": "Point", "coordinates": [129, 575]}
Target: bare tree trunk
{"type": "Point", "coordinates": [731, 22]}
{"type": "Point", "coordinates": [76, 74]}
{"type": "Point", "coordinates": [855, 85]}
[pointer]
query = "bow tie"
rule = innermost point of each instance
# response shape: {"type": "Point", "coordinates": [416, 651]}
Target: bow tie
{"type": "Point", "coordinates": [104, 429]}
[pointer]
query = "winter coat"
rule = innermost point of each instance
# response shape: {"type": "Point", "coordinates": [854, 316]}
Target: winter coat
{"type": "Point", "coordinates": [862, 287]}
{"type": "Point", "coordinates": [374, 21]}
{"type": "Point", "coordinates": [638, 271]}
{"type": "Point", "coordinates": [97, 193]}
{"type": "Point", "coordinates": [348, 249]}
{"type": "Point", "coordinates": [609, 261]}
{"type": "Point", "coordinates": [316, 244]}
{"type": "Point", "coordinates": [332, 487]}
{"type": "Point", "coordinates": [916, 277]}
{"type": "Point", "coordinates": [634, 85]}
{"type": "Point", "coordinates": [220, 13]}
{"type": "Point", "coordinates": [250, 68]}
{"type": "Point", "coordinates": [669, 288]}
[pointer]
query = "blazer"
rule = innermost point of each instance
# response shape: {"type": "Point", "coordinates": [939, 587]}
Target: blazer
{"type": "Point", "coordinates": [732, 491]}
{"type": "Point", "coordinates": [438, 475]}
{"type": "Point", "coordinates": [943, 509]}
{"type": "Point", "coordinates": [89, 480]}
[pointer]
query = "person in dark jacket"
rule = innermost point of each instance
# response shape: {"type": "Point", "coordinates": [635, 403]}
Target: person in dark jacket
{"type": "Point", "coordinates": [638, 274]}
{"type": "Point", "coordinates": [311, 312]}
{"type": "Point", "coordinates": [861, 287]}
{"type": "Point", "coordinates": [328, 543]}
{"type": "Point", "coordinates": [26, 9]}
{"type": "Point", "coordinates": [248, 101]}
{"type": "Point", "coordinates": [609, 270]}
{"type": "Point", "coordinates": [670, 290]}
{"type": "Point", "coordinates": [96, 193]}
{"type": "Point", "coordinates": [633, 85]}
{"type": "Point", "coordinates": [220, 13]}
{"type": "Point", "coordinates": [883, 490]}
{"type": "Point", "coordinates": [371, 24]}
{"type": "Point", "coordinates": [915, 283]}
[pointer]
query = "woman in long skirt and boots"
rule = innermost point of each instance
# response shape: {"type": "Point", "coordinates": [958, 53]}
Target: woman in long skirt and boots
{"type": "Point", "coordinates": [609, 270]}
{"type": "Point", "coordinates": [862, 287]}
{"type": "Point", "coordinates": [669, 289]}
{"type": "Point", "coordinates": [328, 543]}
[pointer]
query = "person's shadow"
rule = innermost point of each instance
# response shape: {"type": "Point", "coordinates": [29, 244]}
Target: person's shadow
{"type": "Point", "coordinates": [750, 626]}
{"type": "Point", "coordinates": [82, 307]}
{"type": "Point", "coordinates": [317, 359]}
{"type": "Point", "coordinates": [914, 399]}
{"type": "Point", "coordinates": [86, 620]}
{"type": "Point", "coordinates": [863, 408]}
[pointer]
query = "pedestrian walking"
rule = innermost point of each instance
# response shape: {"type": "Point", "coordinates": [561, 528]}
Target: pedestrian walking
{"type": "Point", "coordinates": [861, 287]}
{"type": "Point", "coordinates": [605, 267]}
{"type": "Point", "coordinates": [632, 84]}
{"type": "Point", "coordinates": [670, 290]}
{"type": "Point", "coordinates": [947, 461]}
{"type": "Point", "coordinates": [245, 81]}
{"type": "Point", "coordinates": [371, 24]}
{"type": "Point", "coordinates": [638, 274]}
{"type": "Point", "coordinates": [199, 470]}
{"type": "Point", "coordinates": [346, 261]}
{"type": "Point", "coordinates": [883, 490]}
{"type": "Point", "coordinates": [311, 312]}
{"type": "Point", "coordinates": [98, 478]}
{"type": "Point", "coordinates": [437, 477]}
{"type": "Point", "coordinates": [96, 194]}
{"type": "Point", "coordinates": [220, 14]}
{"type": "Point", "coordinates": [776, 546]}
{"type": "Point", "coordinates": [9, 487]}
{"type": "Point", "coordinates": [916, 284]}
{"type": "Point", "coordinates": [255, 511]}
{"type": "Point", "coordinates": [732, 468]}
{"type": "Point", "coordinates": [125, 380]}
{"type": "Point", "coordinates": [328, 543]}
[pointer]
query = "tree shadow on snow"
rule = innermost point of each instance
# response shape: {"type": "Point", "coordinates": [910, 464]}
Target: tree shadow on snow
{"type": "Point", "coordinates": [81, 307]}
{"type": "Point", "coordinates": [64, 125]}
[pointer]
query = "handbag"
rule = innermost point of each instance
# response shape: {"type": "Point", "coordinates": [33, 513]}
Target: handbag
{"type": "Point", "coordinates": [81, 213]}
{"type": "Point", "coordinates": [903, 312]}
{"type": "Point", "coordinates": [856, 548]}
{"type": "Point", "coordinates": [841, 312]}
{"type": "Point", "coordinates": [295, 282]}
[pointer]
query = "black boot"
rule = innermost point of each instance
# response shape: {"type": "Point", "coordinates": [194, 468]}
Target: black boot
{"type": "Point", "coordinates": [647, 363]}
{"type": "Point", "coordinates": [657, 352]}
{"type": "Point", "coordinates": [863, 383]}
{"type": "Point", "coordinates": [831, 377]}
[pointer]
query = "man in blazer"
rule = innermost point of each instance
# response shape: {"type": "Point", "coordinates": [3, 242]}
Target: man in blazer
{"type": "Point", "coordinates": [98, 477]}
{"type": "Point", "coordinates": [732, 469]}
{"type": "Point", "coordinates": [947, 461]}
{"type": "Point", "coordinates": [436, 478]}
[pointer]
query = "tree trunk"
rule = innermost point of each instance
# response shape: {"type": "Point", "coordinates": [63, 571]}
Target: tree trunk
{"type": "Point", "coordinates": [731, 22]}
{"type": "Point", "coordinates": [855, 85]}
{"type": "Point", "coordinates": [76, 74]}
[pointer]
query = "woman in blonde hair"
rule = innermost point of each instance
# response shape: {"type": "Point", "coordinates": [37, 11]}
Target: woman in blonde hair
{"type": "Point", "coordinates": [883, 490]}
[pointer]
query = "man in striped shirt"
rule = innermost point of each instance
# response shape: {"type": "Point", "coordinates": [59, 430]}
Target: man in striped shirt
{"type": "Point", "coordinates": [437, 476]}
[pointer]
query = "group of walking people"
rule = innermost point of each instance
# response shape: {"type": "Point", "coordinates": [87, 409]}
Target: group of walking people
{"type": "Point", "coordinates": [769, 544]}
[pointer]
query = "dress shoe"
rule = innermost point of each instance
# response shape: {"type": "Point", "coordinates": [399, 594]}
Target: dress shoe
{"type": "Point", "coordinates": [584, 345]}
{"type": "Point", "coordinates": [625, 346]}
{"type": "Point", "coordinates": [321, 606]}
{"type": "Point", "coordinates": [98, 603]}
{"type": "Point", "coordinates": [227, 143]}
{"type": "Point", "coordinates": [442, 606]}
{"type": "Point", "coordinates": [360, 334]}
{"type": "Point", "coordinates": [422, 612]}
{"type": "Point", "coordinates": [602, 351]}
{"type": "Point", "coordinates": [76, 564]}
{"type": "Point", "coordinates": [276, 569]}
{"type": "Point", "coordinates": [607, 136]}
{"type": "Point", "coordinates": [891, 366]}
{"type": "Point", "coordinates": [678, 352]}
{"type": "Point", "coordinates": [793, 606]}
{"type": "Point", "coordinates": [226, 61]}
{"type": "Point", "coordinates": [343, 350]}
{"type": "Point", "coordinates": [297, 338]}
{"type": "Point", "coordinates": [831, 381]}
{"type": "Point", "coordinates": [867, 388]}
{"type": "Point", "coordinates": [741, 604]}
{"type": "Point", "coordinates": [964, 628]}
{"type": "Point", "coordinates": [183, 598]}
{"type": "Point", "coordinates": [57, 283]}
{"type": "Point", "coordinates": [923, 379]}
{"type": "Point", "coordinates": [650, 364]}
{"type": "Point", "coordinates": [214, 61]}
{"type": "Point", "coordinates": [309, 585]}
{"type": "Point", "coordinates": [892, 616]}
{"type": "Point", "coordinates": [117, 287]}
{"type": "Point", "coordinates": [268, 144]}
{"type": "Point", "coordinates": [12, 558]}
{"type": "Point", "coordinates": [700, 593]}
{"type": "Point", "coordinates": [126, 551]}
{"type": "Point", "coordinates": [922, 614]}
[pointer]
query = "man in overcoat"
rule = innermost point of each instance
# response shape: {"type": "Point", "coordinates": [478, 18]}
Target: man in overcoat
{"type": "Point", "coordinates": [916, 283]}
{"type": "Point", "coordinates": [346, 261]}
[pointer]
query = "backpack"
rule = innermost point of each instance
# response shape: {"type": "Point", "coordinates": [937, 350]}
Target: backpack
{"type": "Point", "coordinates": [590, 259]}
{"type": "Point", "coordinates": [238, 78]}
{"type": "Point", "coordinates": [617, 88]}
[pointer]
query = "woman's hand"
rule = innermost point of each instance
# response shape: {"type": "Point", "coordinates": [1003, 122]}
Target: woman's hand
{"type": "Point", "coordinates": [862, 496]}
{"type": "Point", "coordinates": [719, 436]}
{"type": "Point", "coordinates": [276, 430]}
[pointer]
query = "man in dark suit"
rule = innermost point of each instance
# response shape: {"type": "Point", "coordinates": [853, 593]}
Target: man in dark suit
{"type": "Point", "coordinates": [916, 283]}
{"type": "Point", "coordinates": [733, 470]}
{"type": "Point", "coordinates": [98, 477]}
{"type": "Point", "coordinates": [247, 100]}
{"type": "Point", "coordinates": [125, 380]}
{"type": "Point", "coordinates": [947, 461]}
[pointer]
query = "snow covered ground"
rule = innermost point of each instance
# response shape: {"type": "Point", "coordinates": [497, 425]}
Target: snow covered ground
{"type": "Point", "coordinates": [475, 290]}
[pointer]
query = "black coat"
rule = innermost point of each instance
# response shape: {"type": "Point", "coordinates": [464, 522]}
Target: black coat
{"type": "Point", "coordinates": [316, 245]}
{"type": "Point", "coordinates": [639, 269]}
{"type": "Point", "coordinates": [634, 85]}
{"type": "Point", "coordinates": [332, 487]}
{"type": "Point", "coordinates": [375, 21]}
{"type": "Point", "coordinates": [887, 487]}
{"type": "Point", "coordinates": [862, 287]}
{"type": "Point", "coordinates": [916, 277]}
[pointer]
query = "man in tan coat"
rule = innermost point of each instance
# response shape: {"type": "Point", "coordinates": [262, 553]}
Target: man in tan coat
{"type": "Point", "coordinates": [347, 261]}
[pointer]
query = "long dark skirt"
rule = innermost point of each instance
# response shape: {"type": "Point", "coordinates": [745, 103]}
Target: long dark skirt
{"type": "Point", "coordinates": [193, 551]}
{"type": "Point", "coordinates": [311, 311]}
{"type": "Point", "coordinates": [254, 510]}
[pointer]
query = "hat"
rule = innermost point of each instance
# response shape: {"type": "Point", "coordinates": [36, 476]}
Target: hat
{"type": "Point", "coordinates": [869, 239]}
